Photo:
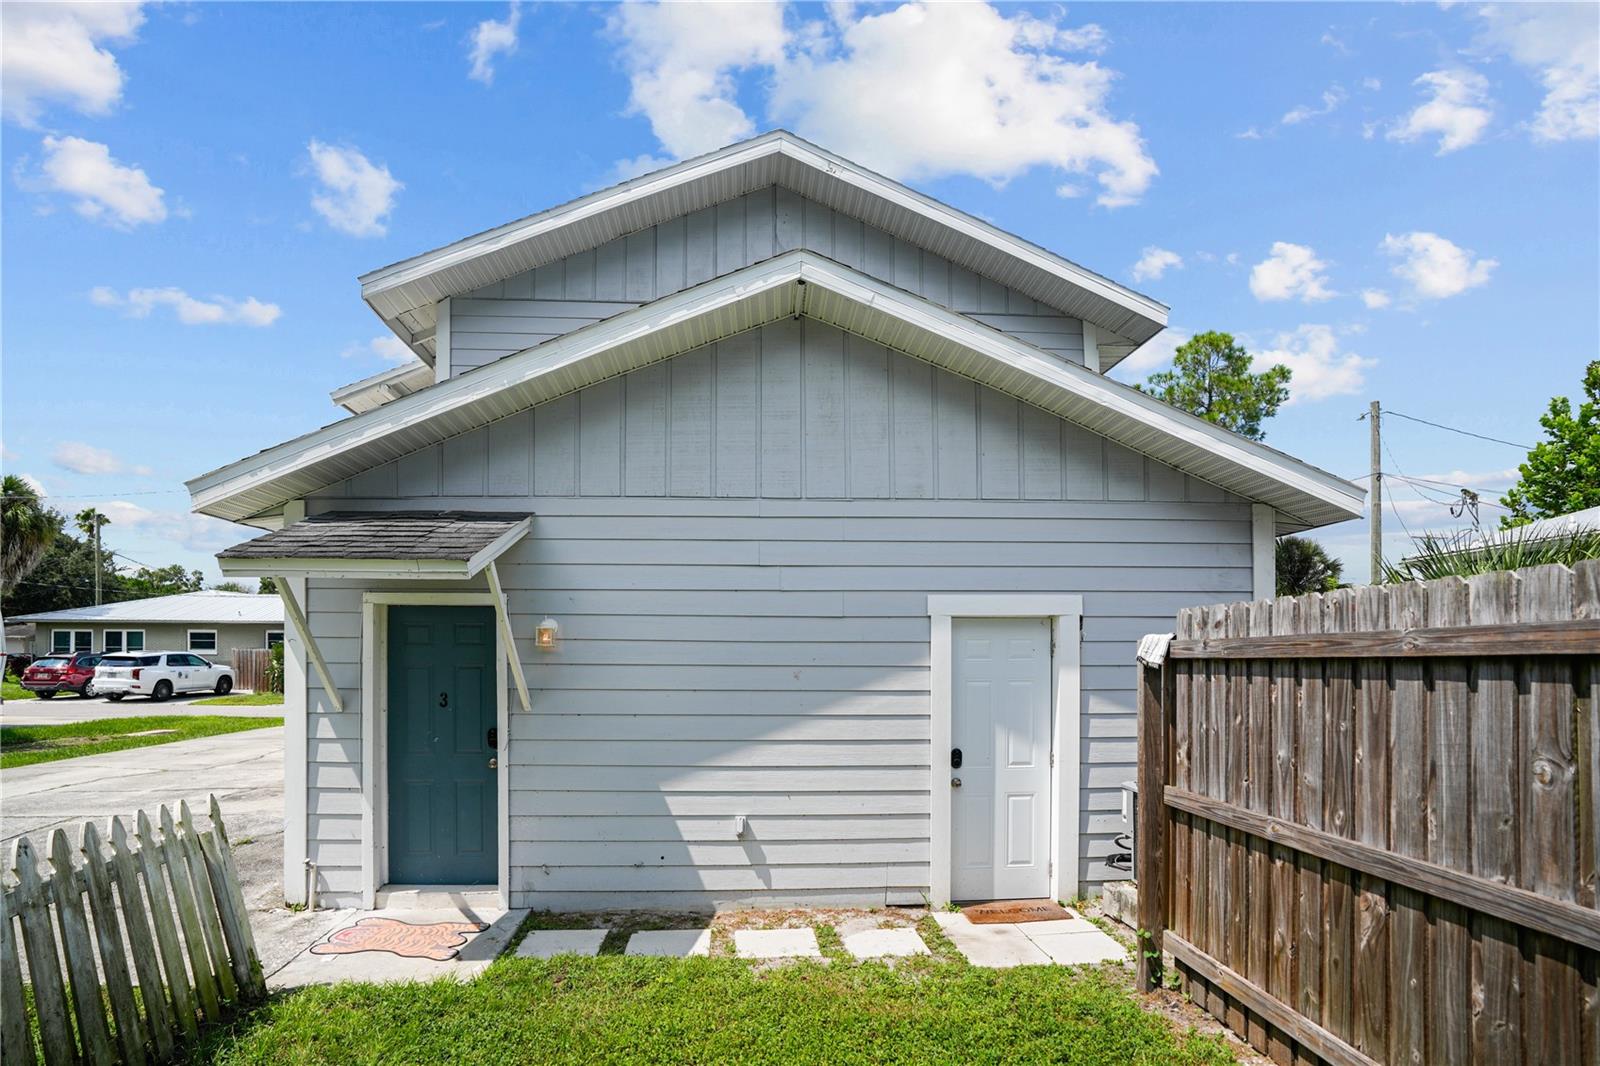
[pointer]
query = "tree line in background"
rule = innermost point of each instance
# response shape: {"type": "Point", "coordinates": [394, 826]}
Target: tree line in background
{"type": "Point", "coordinates": [44, 567]}
{"type": "Point", "coordinates": [1213, 376]}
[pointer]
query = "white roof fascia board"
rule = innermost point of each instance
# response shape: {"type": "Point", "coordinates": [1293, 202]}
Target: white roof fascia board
{"type": "Point", "coordinates": [498, 547]}
{"type": "Point", "coordinates": [798, 161]}
{"type": "Point", "coordinates": [352, 396]}
{"type": "Point", "coordinates": [345, 568]}
{"type": "Point", "coordinates": [1138, 420]}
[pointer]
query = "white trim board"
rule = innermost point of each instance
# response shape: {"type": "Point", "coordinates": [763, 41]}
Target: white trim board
{"type": "Point", "coordinates": [794, 283]}
{"type": "Point", "coordinates": [1066, 708]}
{"type": "Point", "coordinates": [374, 735]}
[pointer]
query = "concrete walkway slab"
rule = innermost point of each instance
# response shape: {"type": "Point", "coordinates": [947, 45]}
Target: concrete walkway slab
{"type": "Point", "coordinates": [670, 943]}
{"type": "Point", "coordinates": [1071, 941]}
{"type": "Point", "coordinates": [472, 958]}
{"type": "Point", "coordinates": [776, 944]}
{"type": "Point", "coordinates": [884, 943]}
{"type": "Point", "coordinates": [548, 943]}
{"type": "Point", "coordinates": [1080, 949]}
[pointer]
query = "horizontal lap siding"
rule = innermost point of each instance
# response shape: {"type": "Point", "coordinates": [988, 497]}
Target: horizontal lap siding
{"type": "Point", "coordinates": [765, 653]}
{"type": "Point", "coordinates": [539, 305]}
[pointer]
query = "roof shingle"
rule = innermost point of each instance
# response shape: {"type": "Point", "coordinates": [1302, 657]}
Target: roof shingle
{"type": "Point", "coordinates": [446, 535]}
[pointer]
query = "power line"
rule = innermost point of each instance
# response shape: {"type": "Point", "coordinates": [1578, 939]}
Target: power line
{"type": "Point", "coordinates": [1463, 432]}
{"type": "Point", "coordinates": [94, 495]}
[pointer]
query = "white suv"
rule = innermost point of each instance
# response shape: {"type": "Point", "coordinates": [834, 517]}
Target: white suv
{"type": "Point", "coordinates": [159, 675]}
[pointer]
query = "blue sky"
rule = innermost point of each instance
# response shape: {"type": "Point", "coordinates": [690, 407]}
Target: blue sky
{"type": "Point", "coordinates": [1400, 201]}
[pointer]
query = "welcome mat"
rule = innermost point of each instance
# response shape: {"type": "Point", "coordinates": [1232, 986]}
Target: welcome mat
{"type": "Point", "coordinates": [439, 941]}
{"type": "Point", "coordinates": [1007, 911]}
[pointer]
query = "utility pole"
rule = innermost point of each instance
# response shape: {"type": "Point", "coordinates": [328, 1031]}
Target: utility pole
{"type": "Point", "coordinates": [1374, 415]}
{"type": "Point", "coordinates": [97, 557]}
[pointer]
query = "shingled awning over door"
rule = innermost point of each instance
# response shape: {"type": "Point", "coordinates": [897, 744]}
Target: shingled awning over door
{"type": "Point", "coordinates": [384, 545]}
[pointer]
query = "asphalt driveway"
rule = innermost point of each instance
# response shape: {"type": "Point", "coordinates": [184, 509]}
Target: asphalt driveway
{"type": "Point", "coordinates": [244, 770]}
{"type": "Point", "coordinates": [67, 708]}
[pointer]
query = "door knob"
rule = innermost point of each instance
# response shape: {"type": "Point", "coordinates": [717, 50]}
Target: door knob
{"type": "Point", "coordinates": [955, 782]}
{"type": "Point", "coordinates": [494, 764]}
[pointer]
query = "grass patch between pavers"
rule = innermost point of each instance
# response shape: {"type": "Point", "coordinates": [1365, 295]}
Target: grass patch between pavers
{"type": "Point", "coordinates": [242, 699]}
{"type": "Point", "coordinates": [702, 1010]}
{"type": "Point", "coordinates": [24, 745]}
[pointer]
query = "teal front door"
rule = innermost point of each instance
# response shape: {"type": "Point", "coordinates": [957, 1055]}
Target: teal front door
{"type": "Point", "coordinates": [442, 797]}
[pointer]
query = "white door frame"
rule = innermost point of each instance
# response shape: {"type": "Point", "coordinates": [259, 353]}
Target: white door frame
{"type": "Point", "coordinates": [1065, 612]}
{"type": "Point", "coordinates": [375, 735]}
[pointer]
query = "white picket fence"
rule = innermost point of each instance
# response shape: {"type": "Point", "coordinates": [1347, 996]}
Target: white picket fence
{"type": "Point", "coordinates": [169, 920]}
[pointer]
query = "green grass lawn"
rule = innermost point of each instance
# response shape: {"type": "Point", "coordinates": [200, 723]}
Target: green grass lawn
{"type": "Point", "coordinates": [23, 745]}
{"type": "Point", "coordinates": [242, 699]}
{"type": "Point", "coordinates": [12, 689]}
{"type": "Point", "coordinates": [615, 1008]}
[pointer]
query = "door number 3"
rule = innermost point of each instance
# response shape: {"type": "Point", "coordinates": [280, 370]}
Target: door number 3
{"type": "Point", "coordinates": [444, 699]}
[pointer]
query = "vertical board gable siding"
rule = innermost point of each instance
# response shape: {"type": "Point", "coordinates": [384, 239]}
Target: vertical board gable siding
{"type": "Point", "coordinates": [739, 545]}
{"type": "Point", "coordinates": [520, 312]}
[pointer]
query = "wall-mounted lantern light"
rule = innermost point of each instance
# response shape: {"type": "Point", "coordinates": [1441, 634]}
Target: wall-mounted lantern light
{"type": "Point", "coordinates": [544, 638]}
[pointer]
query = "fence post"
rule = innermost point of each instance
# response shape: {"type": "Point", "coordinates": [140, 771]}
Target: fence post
{"type": "Point", "coordinates": [1150, 862]}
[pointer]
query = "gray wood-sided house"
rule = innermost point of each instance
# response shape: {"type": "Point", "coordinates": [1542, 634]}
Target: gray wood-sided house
{"type": "Point", "coordinates": [758, 530]}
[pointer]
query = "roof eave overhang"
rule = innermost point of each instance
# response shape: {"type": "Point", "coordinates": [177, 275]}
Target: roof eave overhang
{"type": "Point", "coordinates": [793, 284]}
{"type": "Point", "coordinates": [412, 286]}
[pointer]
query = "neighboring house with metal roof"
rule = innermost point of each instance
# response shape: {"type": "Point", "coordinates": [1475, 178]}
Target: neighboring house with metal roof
{"type": "Point", "coordinates": [768, 532]}
{"type": "Point", "coordinates": [212, 623]}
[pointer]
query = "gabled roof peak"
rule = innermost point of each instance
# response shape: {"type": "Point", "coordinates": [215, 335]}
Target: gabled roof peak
{"type": "Point", "coordinates": [404, 293]}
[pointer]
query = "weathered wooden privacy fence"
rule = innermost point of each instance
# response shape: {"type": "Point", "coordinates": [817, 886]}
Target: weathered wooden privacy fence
{"type": "Point", "coordinates": [252, 669]}
{"type": "Point", "coordinates": [174, 942]}
{"type": "Point", "coordinates": [1368, 819]}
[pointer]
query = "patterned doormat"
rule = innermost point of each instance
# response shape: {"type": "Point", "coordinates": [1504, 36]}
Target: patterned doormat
{"type": "Point", "coordinates": [439, 941]}
{"type": "Point", "coordinates": [1006, 911]}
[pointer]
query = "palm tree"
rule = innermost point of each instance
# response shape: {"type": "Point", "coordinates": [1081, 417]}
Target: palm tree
{"type": "Point", "coordinates": [1303, 566]}
{"type": "Point", "coordinates": [27, 528]}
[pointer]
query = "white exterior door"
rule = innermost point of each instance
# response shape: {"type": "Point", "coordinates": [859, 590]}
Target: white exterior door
{"type": "Point", "coordinates": [1000, 722]}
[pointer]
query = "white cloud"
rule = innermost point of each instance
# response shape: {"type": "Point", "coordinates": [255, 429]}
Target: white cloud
{"type": "Point", "coordinates": [1560, 43]}
{"type": "Point", "coordinates": [103, 189]}
{"type": "Point", "coordinates": [35, 484]}
{"type": "Point", "coordinates": [1291, 272]}
{"type": "Point", "coordinates": [1001, 98]}
{"type": "Point", "coordinates": [1155, 352]}
{"type": "Point", "coordinates": [190, 310]}
{"type": "Point", "coordinates": [54, 52]}
{"type": "Point", "coordinates": [1372, 85]}
{"type": "Point", "coordinates": [1434, 267]}
{"type": "Point", "coordinates": [356, 195]}
{"type": "Point", "coordinates": [1335, 42]}
{"type": "Point", "coordinates": [1458, 110]}
{"type": "Point", "coordinates": [493, 38]}
{"type": "Point", "coordinates": [681, 60]}
{"type": "Point", "coordinates": [1320, 369]}
{"type": "Point", "coordinates": [1332, 97]}
{"type": "Point", "coordinates": [81, 458]}
{"type": "Point", "coordinates": [196, 532]}
{"type": "Point", "coordinates": [930, 90]}
{"type": "Point", "coordinates": [388, 347]}
{"type": "Point", "coordinates": [1375, 299]}
{"type": "Point", "coordinates": [1156, 262]}
{"type": "Point", "coordinates": [1251, 134]}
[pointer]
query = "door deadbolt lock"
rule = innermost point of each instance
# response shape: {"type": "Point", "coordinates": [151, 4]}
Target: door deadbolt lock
{"type": "Point", "coordinates": [955, 758]}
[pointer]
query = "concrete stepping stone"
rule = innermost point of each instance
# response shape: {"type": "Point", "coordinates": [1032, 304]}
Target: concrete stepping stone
{"type": "Point", "coordinates": [884, 943]}
{"type": "Point", "coordinates": [670, 943]}
{"type": "Point", "coordinates": [776, 944]}
{"type": "Point", "coordinates": [1078, 949]}
{"type": "Point", "coordinates": [995, 947]}
{"type": "Point", "coordinates": [548, 943]}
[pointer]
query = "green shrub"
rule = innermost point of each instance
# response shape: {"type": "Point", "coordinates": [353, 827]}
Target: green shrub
{"type": "Point", "coordinates": [1471, 552]}
{"type": "Point", "coordinates": [275, 669]}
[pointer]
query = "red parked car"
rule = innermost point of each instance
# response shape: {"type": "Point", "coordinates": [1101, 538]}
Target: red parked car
{"type": "Point", "coordinates": [60, 673]}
